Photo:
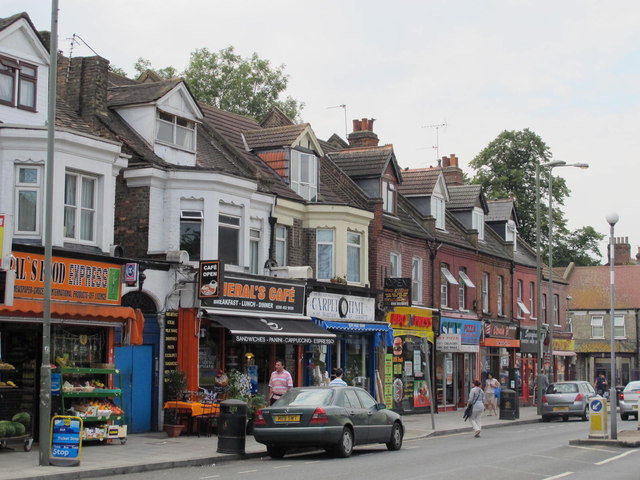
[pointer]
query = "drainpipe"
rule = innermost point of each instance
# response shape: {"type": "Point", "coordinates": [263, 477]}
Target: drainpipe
{"type": "Point", "coordinates": [160, 317]}
{"type": "Point", "coordinates": [271, 262]}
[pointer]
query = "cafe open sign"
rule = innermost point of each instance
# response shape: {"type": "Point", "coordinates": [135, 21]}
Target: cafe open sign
{"type": "Point", "coordinates": [210, 279]}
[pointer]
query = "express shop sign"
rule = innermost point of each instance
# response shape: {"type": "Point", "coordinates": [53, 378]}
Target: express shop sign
{"type": "Point", "coordinates": [469, 330]}
{"type": "Point", "coordinates": [72, 279]}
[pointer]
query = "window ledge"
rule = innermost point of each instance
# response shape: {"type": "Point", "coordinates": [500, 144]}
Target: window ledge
{"type": "Point", "coordinates": [174, 146]}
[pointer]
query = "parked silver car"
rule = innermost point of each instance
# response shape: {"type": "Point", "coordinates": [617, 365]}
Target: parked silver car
{"type": "Point", "coordinates": [629, 400]}
{"type": "Point", "coordinates": [567, 399]}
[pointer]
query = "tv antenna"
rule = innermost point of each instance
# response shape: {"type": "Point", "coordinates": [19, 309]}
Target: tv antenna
{"type": "Point", "coordinates": [437, 127]}
{"type": "Point", "coordinates": [344, 107]}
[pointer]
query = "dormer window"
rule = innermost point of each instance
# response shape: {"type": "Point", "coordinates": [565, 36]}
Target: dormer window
{"type": "Point", "coordinates": [477, 222]}
{"type": "Point", "coordinates": [304, 177]}
{"type": "Point", "coordinates": [511, 231]}
{"type": "Point", "coordinates": [389, 197]}
{"type": "Point", "coordinates": [18, 84]}
{"type": "Point", "coordinates": [176, 131]}
{"type": "Point", "coordinates": [437, 211]}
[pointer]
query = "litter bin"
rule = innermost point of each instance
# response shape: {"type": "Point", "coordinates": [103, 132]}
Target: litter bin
{"type": "Point", "coordinates": [232, 424]}
{"type": "Point", "coordinates": [509, 405]}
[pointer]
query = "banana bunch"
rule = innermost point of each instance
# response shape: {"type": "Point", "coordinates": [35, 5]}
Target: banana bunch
{"type": "Point", "coordinates": [6, 366]}
{"type": "Point", "coordinates": [8, 384]}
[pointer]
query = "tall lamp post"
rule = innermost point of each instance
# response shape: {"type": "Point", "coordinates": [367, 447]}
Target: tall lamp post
{"type": "Point", "coordinates": [550, 166]}
{"type": "Point", "coordinates": [612, 219]}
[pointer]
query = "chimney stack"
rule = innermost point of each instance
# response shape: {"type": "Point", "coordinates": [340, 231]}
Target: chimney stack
{"type": "Point", "coordinates": [622, 251]}
{"type": "Point", "coordinates": [363, 135]}
{"type": "Point", "coordinates": [452, 173]}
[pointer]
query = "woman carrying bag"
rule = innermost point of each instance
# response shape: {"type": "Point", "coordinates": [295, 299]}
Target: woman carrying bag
{"type": "Point", "coordinates": [476, 403]}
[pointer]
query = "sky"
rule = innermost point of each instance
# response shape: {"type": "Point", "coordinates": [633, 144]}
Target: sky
{"type": "Point", "coordinates": [568, 70]}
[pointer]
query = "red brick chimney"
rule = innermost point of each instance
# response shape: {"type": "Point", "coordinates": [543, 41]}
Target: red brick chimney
{"type": "Point", "coordinates": [452, 173]}
{"type": "Point", "coordinates": [363, 135]}
{"type": "Point", "coordinates": [622, 251]}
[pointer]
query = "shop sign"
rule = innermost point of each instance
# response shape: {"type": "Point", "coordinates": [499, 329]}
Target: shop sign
{"type": "Point", "coordinates": [210, 279]}
{"type": "Point", "coordinates": [331, 306]}
{"type": "Point", "coordinates": [564, 345]}
{"type": "Point", "coordinates": [529, 340]}
{"type": "Point", "coordinates": [500, 330]}
{"type": "Point", "coordinates": [448, 342]}
{"type": "Point", "coordinates": [258, 295]}
{"type": "Point", "coordinates": [170, 342]}
{"type": "Point", "coordinates": [397, 292]}
{"type": "Point", "coordinates": [66, 440]}
{"type": "Point", "coordinates": [469, 330]}
{"type": "Point", "coordinates": [277, 340]}
{"type": "Point", "coordinates": [501, 342]}
{"type": "Point", "coordinates": [388, 380]}
{"type": "Point", "coordinates": [74, 280]}
{"type": "Point", "coordinates": [131, 274]}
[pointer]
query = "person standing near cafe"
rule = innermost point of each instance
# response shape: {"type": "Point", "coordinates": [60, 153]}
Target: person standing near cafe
{"type": "Point", "coordinates": [279, 383]}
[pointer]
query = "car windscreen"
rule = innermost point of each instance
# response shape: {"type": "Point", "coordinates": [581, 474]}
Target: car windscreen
{"type": "Point", "coordinates": [306, 398]}
{"type": "Point", "coordinates": [562, 388]}
{"type": "Point", "coordinates": [631, 386]}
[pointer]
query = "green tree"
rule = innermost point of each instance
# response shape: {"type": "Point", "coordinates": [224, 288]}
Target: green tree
{"type": "Point", "coordinates": [142, 65]}
{"type": "Point", "coordinates": [506, 168]}
{"type": "Point", "coordinates": [246, 86]}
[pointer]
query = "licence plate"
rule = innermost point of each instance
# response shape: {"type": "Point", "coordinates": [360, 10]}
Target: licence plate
{"type": "Point", "coordinates": [560, 409]}
{"type": "Point", "coordinates": [635, 407]}
{"type": "Point", "coordinates": [286, 418]}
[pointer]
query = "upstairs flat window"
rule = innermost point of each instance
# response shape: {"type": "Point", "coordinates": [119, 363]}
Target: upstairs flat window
{"type": "Point", "coordinates": [325, 248]}
{"type": "Point", "coordinates": [176, 131]}
{"type": "Point", "coordinates": [437, 211]}
{"type": "Point", "coordinates": [191, 233]}
{"type": "Point", "coordinates": [597, 326]}
{"type": "Point", "coordinates": [281, 245]}
{"type": "Point", "coordinates": [354, 255]}
{"type": "Point", "coordinates": [485, 292]}
{"type": "Point", "coordinates": [28, 199]}
{"type": "Point", "coordinates": [395, 264]}
{"type": "Point", "coordinates": [18, 81]}
{"type": "Point", "coordinates": [477, 222]}
{"type": "Point", "coordinates": [416, 280]}
{"type": "Point", "coordinates": [500, 292]}
{"type": "Point", "coordinates": [254, 251]}
{"type": "Point", "coordinates": [80, 207]}
{"type": "Point", "coordinates": [618, 327]}
{"type": "Point", "coordinates": [304, 175]}
{"type": "Point", "coordinates": [388, 197]}
{"type": "Point", "coordinates": [229, 239]}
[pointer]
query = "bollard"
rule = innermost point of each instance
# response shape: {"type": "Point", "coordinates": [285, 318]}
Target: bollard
{"type": "Point", "coordinates": [598, 417]}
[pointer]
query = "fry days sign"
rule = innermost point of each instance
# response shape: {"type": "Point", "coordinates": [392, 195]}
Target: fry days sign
{"type": "Point", "coordinates": [72, 279]}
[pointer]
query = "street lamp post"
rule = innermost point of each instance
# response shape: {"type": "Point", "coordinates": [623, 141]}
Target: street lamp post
{"type": "Point", "coordinates": [550, 166]}
{"type": "Point", "coordinates": [612, 219]}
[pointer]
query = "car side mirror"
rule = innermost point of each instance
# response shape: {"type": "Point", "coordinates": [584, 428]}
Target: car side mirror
{"type": "Point", "coordinates": [381, 406]}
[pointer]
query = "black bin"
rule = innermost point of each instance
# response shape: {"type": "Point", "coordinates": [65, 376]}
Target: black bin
{"type": "Point", "coordinates": [509, 404]}
{"type": "Point", "coordinates": [232, 425]}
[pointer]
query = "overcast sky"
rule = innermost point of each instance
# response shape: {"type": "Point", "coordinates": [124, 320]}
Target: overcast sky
{"type": "Point", "coordinates": [568, 70]}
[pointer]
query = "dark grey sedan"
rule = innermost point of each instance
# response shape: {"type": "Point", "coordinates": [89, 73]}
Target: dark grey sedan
{"type": "Point", "coordinates": [334, 418]}
{"type": "Point", "coordinates": [567, 399]}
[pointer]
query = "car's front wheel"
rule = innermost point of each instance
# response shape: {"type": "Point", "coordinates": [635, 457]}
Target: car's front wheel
{"type": "Point", "coordinates": [395, 442]}
{"type": "Point", "coordinates": [624, 416]}
{"type": "Point", "coordinates": [276, 452]}
{"type": "Point", "coordinates": [585, 414]}
{"type": "Point", "coordinates": [344, 448]}
{"type": "Point", "coordinates": [546, 418]}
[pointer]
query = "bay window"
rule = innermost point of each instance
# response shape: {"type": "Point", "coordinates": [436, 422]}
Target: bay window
{"type": "Point", "coordinates": [304, 175]}
{"type": "Point", "coordinates": [325, 248]}
{"type": "Point", "coordinates": [354, 252]}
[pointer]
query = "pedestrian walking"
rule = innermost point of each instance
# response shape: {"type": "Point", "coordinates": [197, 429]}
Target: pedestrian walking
{"type": "Point", "coordinates": [338, 378]}
{"type": "Point", "coordinates": [601, 385]}
{"type": "Point", "coordinates": [279, 383]}
{"type": "Point", "coordinates": [476, 401]}
{"type": "Point", "coordinates": [490, 394]}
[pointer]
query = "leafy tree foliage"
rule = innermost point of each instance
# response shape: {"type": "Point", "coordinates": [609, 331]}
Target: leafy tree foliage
{"type": "Point", "coordinates": [506, 168]}
{"type": "Point", "coordinates": [247, 86]}
{"type": "Point", "coordinates": [142, 65]}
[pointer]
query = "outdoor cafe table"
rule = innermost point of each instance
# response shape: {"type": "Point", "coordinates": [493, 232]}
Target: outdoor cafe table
{"type": "Point", "coordinates": [196, 409]}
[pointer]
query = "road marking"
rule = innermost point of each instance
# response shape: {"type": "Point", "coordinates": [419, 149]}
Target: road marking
{"type": "Point", "coordinates": [617, 457]}
{"type": "Point", "coordinates": [247, 471]}
{"type": "Point", "coordinates": [212, 476]}
{"type": "Point", "coordinates": [565, 474]}
{"type": "Point", "coordinates": [593, 448]}
{"type": "Point", "coordinates": [543, 456]}
{"type": "Point", "coordinates": [282, 466]}
{"type": "Point", "coordinates": [314, 461]}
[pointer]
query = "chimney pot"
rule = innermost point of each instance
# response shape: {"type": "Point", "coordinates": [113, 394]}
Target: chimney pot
{"type": "Point", "coordinates": [445, 162]}
{"type": "Point", "coordinates": [357, 125]}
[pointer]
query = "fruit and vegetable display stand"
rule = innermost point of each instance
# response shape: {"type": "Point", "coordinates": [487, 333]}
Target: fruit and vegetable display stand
{"type": "Point", "coordinates": [88, 393]}
{"type": "Point", "coordinates": [15, 423]}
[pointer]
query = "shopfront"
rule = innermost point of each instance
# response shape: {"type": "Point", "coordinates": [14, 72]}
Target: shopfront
{"type": "Point", "coordinates": [408, 363]}
{"type": "Point", "coordinates": [85, 316]}
{"type": "Point", "coordinates": [528, 364]}
{"type": "Point", "coordinates": [457, 349]}
{"type": "Point", "coordinates": [499, 346]}
{"type": "Point", "coordinates": [564, 356]}
{"type": "Point", "coordinates": [361, 342]}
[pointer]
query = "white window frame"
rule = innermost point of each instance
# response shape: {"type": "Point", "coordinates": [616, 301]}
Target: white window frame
{"type": "Point", "coordinates": [543, 311]}
{"type": "Point", "coordinates": [306, 188]}
{"type": "Point", "coordinates": [281, 245]}
{"type": "Point", "coordinates": [79, 209]}
{"type": "Point", "coordinates": [354, 251]}
{"type": "Point", "coordinates": [485, 292]}
{"type": "Point", "coordinates": [23, 187]}
{"type": "Point", "coordinates": [190, 217]}
{"type": "Point", "coordinates": [511, 231]}
{"type": "Point", "coordinates": [465, 278]}
{"type": "Point", "coordinates": [570, 323]}
{"type": "Point", "coordinates": [444, 269]}
{"type": "Point", "coordinates": [597, 326]}
{"type": "Point", "coordinates": [462, 291]}
{"type": "Point", "coordinates": [388, 197]}
{"type": "Point", "coordinates": [477, 222]}
{"type": "Point", "coordinates": [416, 280]}
{"type": "Point", "coordinates": [499, 296]}
{"type": "Point", "coordinates": [618, 323]}
{"type": "Point", "coordinates": [556, 309]}
{"type": "Point", "coordinates": [438, 211]}
{"type": "Point", "coordinates": [532, 301]}
{"type": "Point", "coordinates": [175, 123]}
{"type": "Point", "coordinates": [446, 279]}
{"type": "Point", "coordinates": [234, 225]}
{"type": "Point", "coordinates": [254, 250]}
{"type": "Point", "coordinates": [395, 262]}
{"type": "Point", "coordinates": [332, 250]}
{"type": "Point", "coordinates": [16, 71]}
{"type": "Point", "coordinates": [522, 308]}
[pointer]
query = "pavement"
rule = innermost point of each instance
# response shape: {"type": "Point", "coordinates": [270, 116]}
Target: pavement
{"type": "Point", "coordinates": [155, 451]}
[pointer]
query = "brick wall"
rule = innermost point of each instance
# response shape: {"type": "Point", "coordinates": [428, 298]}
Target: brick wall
{"type": "Point", "coordinates": [131, 218]}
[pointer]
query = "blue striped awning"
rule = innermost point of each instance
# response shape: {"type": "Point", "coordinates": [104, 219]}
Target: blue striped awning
{"type": "Point", "coordinates": [354, 327]}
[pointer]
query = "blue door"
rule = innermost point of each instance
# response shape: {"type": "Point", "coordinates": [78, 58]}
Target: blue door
{"type": "Point", "coordinates": [136, 386]}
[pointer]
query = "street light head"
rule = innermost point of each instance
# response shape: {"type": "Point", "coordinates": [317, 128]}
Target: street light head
{"type": "Point", "coordinates": [612, 218]}
{"type": "Point", "coordinates": [555, 163]}
{"type": "Point", "coordinates": [583, 166]}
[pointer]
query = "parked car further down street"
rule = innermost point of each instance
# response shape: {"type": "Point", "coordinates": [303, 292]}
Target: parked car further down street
{"type": "Point", "coordinates": [334, 418]}
{"type": "Point", "coordinates": [629, 400]}
{"type": "Point", "coordinates": [567, 399]}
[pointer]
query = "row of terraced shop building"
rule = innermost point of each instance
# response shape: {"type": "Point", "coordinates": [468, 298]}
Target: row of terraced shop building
{"type": "Point", "coordinates": [330, 253]}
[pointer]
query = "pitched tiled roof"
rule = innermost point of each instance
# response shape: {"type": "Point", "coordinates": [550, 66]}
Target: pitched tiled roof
{"type": "Point", "coordinates": [276, 137]}
{"type": "Point", "coordinates": [229, 125]}
{"type": "Point", "coordinates": [407, 220]}
{"type": "Point", "coordinates": [275, 118]}
{"type": "Point", "coordinates": [66, 117]}
{"type": "Point", "coordinates": [419, 181]}
{"type": "Point", "coordinates": [140, 93]}
{"type": "Point", "coordinates": [590, 287]}
{"type": "Point", "coordinates": [5, 22]}
{"type": "Point", "coordinates": [500, 210]}
{"type": "Point", "coordinates": [363, 162]}
{"type": "Point", "coordinates": [463, 197]}
{"type": "Point", "coordinates": [336, 187]}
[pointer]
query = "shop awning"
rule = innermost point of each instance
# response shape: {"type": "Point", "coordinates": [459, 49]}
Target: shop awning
{"type": "Point", "coordinates": [563, 353]}
{"type": "Point", "coordinates": [266, 329]}
{"type": "Point", "coordinates": [354, 326]}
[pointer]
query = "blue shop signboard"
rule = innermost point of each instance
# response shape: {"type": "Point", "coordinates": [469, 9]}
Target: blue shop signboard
{"type": "Point", "coordinates": [469, 330]}
{"type": "Point", "coordinates": [66, 440]}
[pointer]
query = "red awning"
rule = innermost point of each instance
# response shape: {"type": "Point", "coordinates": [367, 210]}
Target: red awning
{"type": "Point", "coordinates": [69, 311]}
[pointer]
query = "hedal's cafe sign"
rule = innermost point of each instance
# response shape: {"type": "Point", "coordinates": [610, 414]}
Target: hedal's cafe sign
{"type": "Point", "coordinates": [75, 280]}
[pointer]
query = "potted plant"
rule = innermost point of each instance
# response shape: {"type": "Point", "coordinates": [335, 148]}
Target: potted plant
{"type": "Point", "coordinates": [175, 385]}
